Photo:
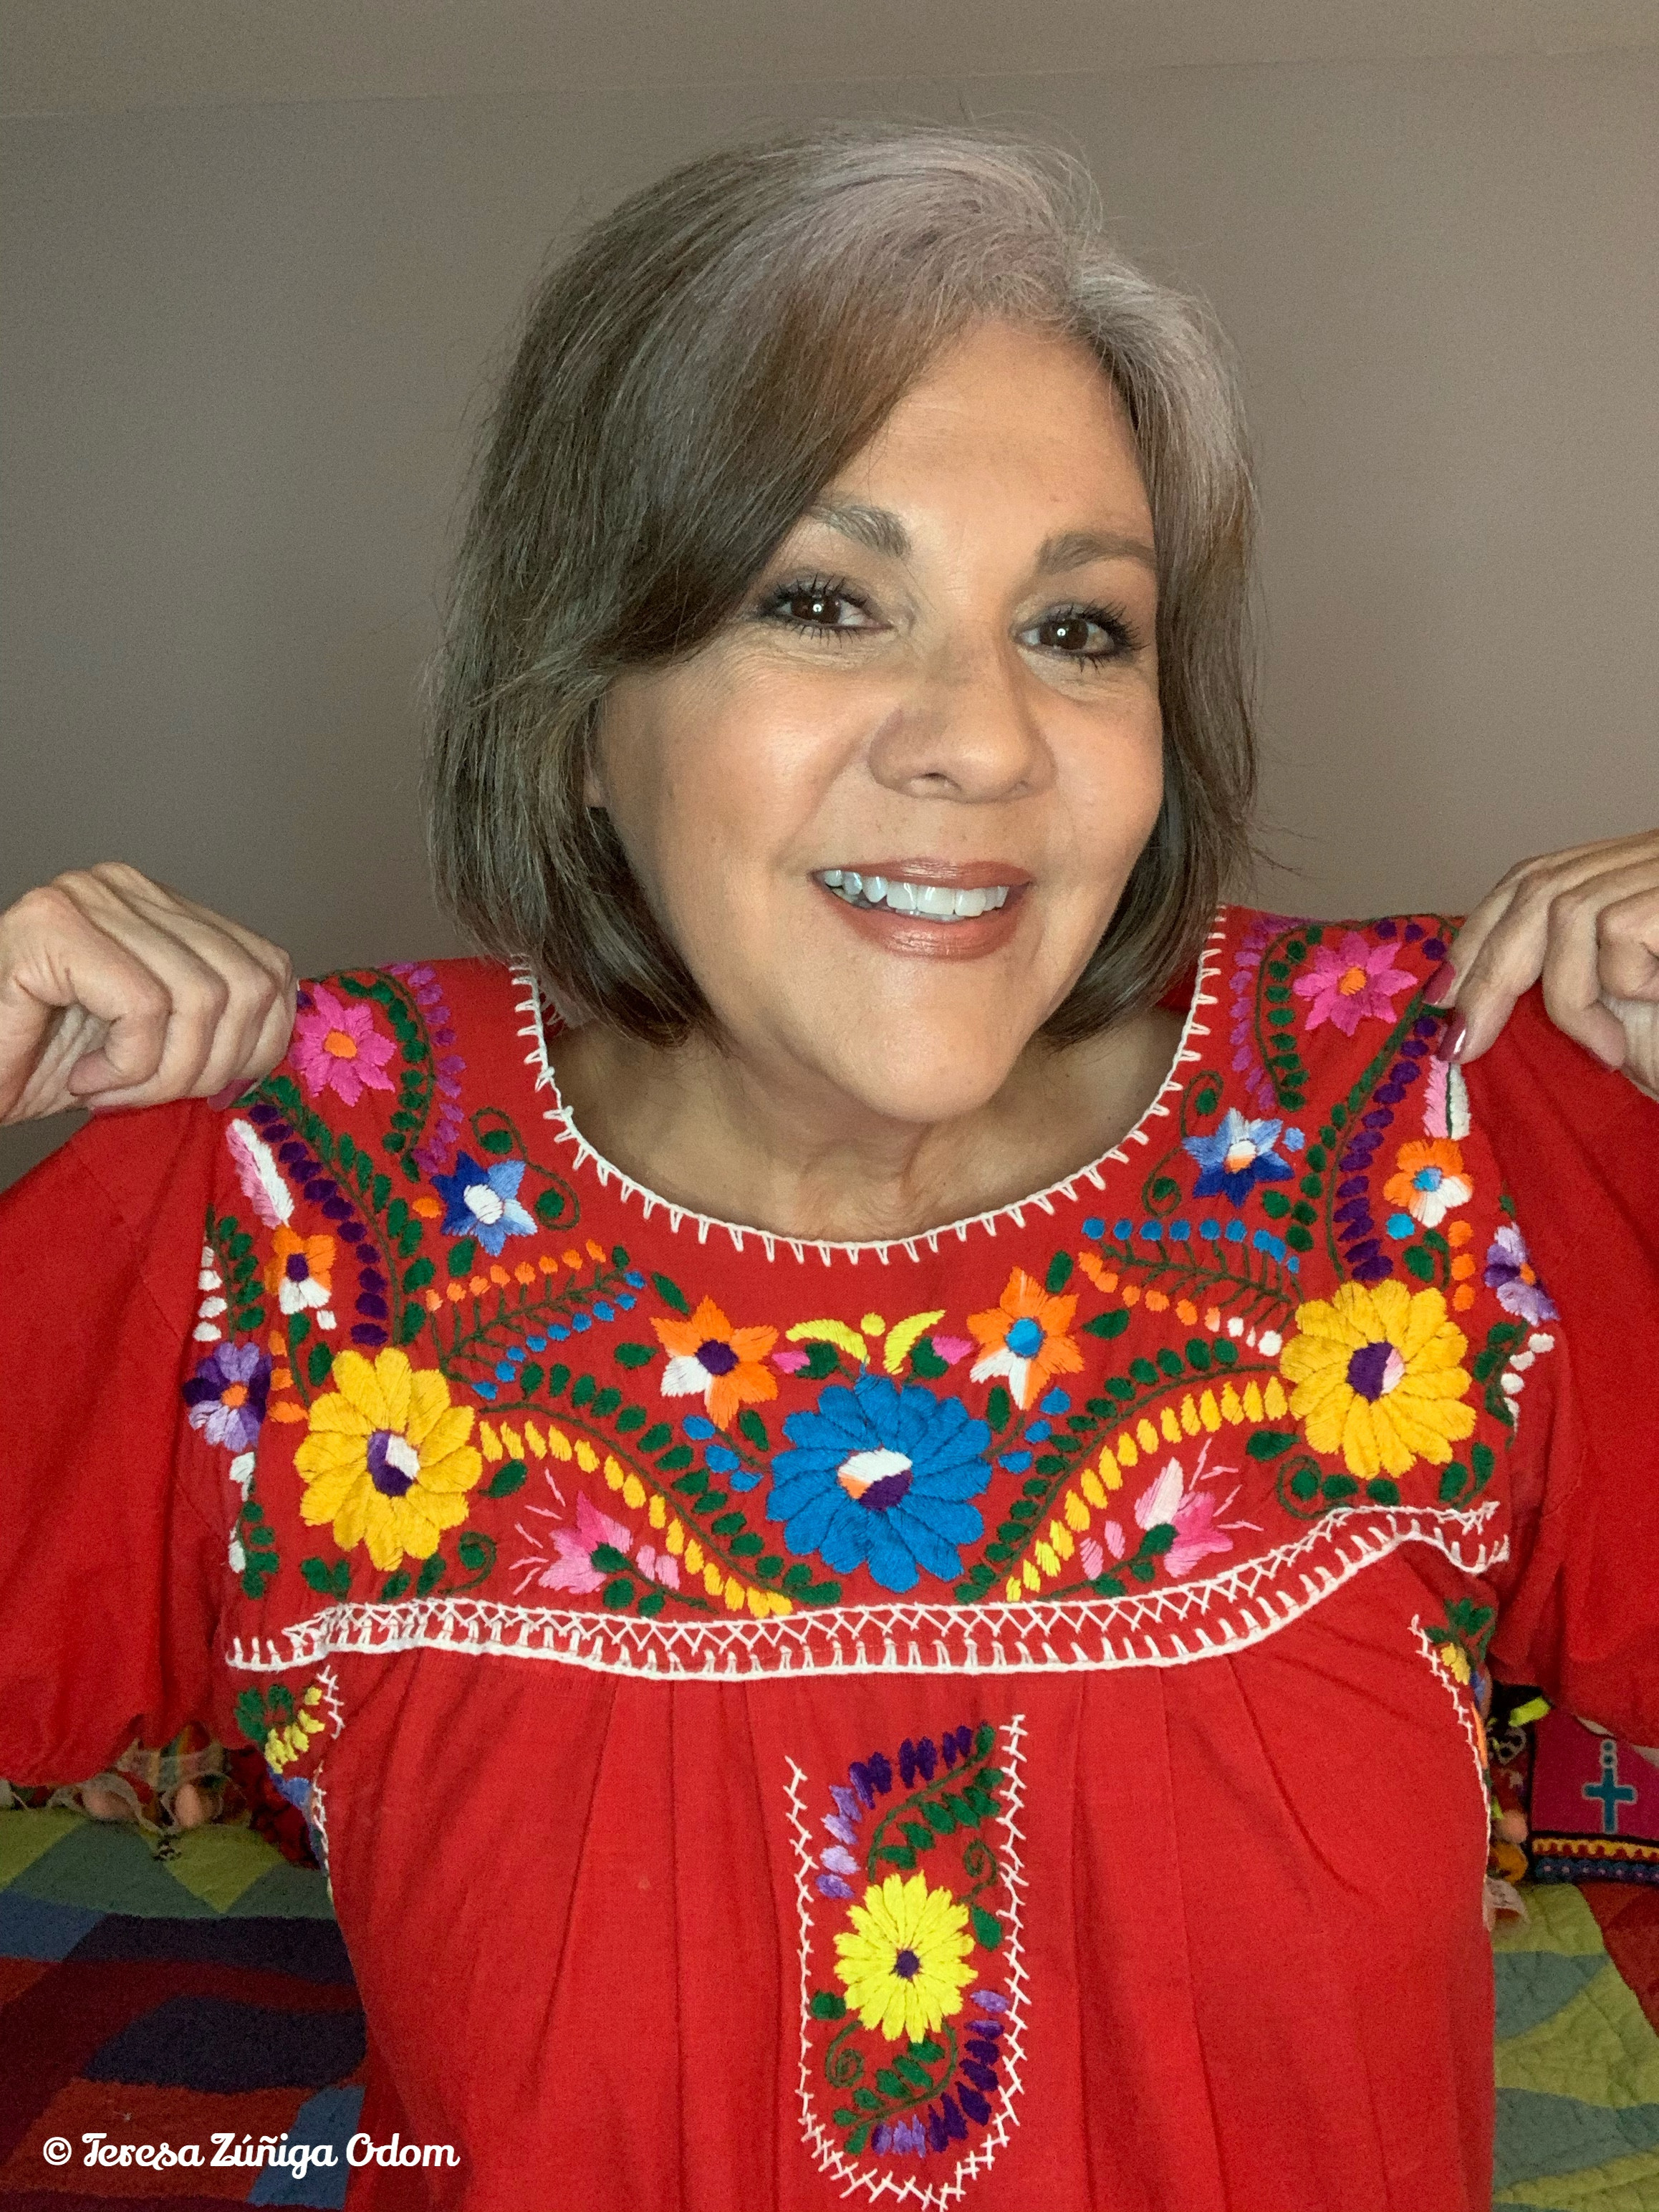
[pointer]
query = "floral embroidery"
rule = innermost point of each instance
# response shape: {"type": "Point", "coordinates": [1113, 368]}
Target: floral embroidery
{"type": "Point", "coordinates": [300, 1274]}
{"type": "Point", "coordinates": [1240, 1154]}
{"type": "Point", "coordinates": [1377, 1377]}
{"type": "Point", "coordinates": [1350, 983]}
{"type": "Point", "coordinates": [882, 1475]}
{"type": "Point", "coordinates": [226, 1395]}
{"type": "Point", "coordinates": [387, 1458]}
{"type": "Point", "coordinates": [337, 1047]}
{"type": "Point", "coordinates": [1182, 1522]}
{"type": "Point", "coordinates": [1511, 1273]}
{"type": "Point", "coordinates": [1429, 1181]}
{"type": "Point", "coordinates": [1024, 1339]}
{"type": "Point", "coordinates": [482, 1202]}
{"type": "Point", "coordinates": [584, 1557]}
{"type": "Point", "coordinates": [710, 1359]}
{"type": "Point", "coordinates": [912, 2022]}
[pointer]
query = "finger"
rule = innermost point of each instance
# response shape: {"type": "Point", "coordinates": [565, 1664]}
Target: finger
{"type": "Point", "coordinates": [1628, 935]}
{"type": "Point", "coordinates": [258, 975]}
{"type": "Point", "coordinates": [1571, 976]}
{"type": "Point", "coordinates": [1471, 940]}
{"type": "Point", "coordinates": [1509, 960]}
{"type": "Point", "coordinates": [220, 997]}
{"type": "Point", "coordinates": [55, 959]}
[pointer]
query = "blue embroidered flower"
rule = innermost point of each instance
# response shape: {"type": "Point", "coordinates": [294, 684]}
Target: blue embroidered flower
{"type": "Point", "coordinates": [1238, 1156]}
{"type": "Point", "coordinates": [483, 1202]}
{"type": "Point", "coordinates": [882, 1475]}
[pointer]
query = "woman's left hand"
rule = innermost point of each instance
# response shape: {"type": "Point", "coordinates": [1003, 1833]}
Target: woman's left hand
{"type": "Point", "coordinates": [1587, 922]}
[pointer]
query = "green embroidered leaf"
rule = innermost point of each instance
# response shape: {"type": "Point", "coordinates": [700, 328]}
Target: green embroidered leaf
{"type": "Point", "coordinates": [1453, 1482]}
{"type": "Point", "coordinates": [1226, 1351]}
{"type": "Point", "coordinates": [1059, 1274]}
{"type": "Point", "coordinates": [652, 1600]}
{"type": "Point", "coordinates": [726, 1524]}
{"type": "Point", "coordinates": [1108, 1325]}
{"type": "Point", "coordinates": [418, 1274]}
{"type": "Point", "coordinates": [632, 1418]}
{"type": "Point", "coordinates": [410, 1327]}
{"type": "Point", "coordinates": [798, 1576]}
{"type": "Point", "coordinates": [584, 1394]}
{"type": "Point", "coordinates": [379, 1190]}
{"type": "Point", "coordinates": [987, 1929]}
{"type": "Point", "coordinates": [1339, 1488]}
{"type": "Point", "coordinates": [855, 2142]}
{"type": "Point", "coordinates": [745, 1546]}
{"type": "Point", "coordinates": [927, 2050]}
{"type": "Point", "coordinates": [694, 1484]}
{"type": "Point", "coordinates": [557, 1376]}
{"type": "Point", "coordinates": [1144, 1372]}
{"type": "Point", "coordinates": [397, 1216]}
{"type": "Point", "coordinates": [1275, 1204]}
{"type": "Point", "coordinates": [1383, 1492]}
{"type": "Point", "coordinates": [530, 1378]}
{"type": "Point", "coordinates": [318, 1576]}
{"type": "Point", "coordinates": [618, 1594]}
{"type": "Point", "coordinates": [890, 2083]}
{"type": "Point", "coordinates": [770, 1568]}
{"type": "Point", "coordinates": [462, 1255]}
{"type": "Point", "coordinates": [755, 1429]}
{"type": "Point", "coordinates": [926, 1362]}
{"type": "Point", "coordinates": [1169, 1361]}
{"type": "Point", "coordinates": [900, 1855]}
{"type": "Point", "coordinates": [998, 1409]}
{"type": "Point", "coordinates": [1143, 1570]}
{"type": "Point", "coordinates": [607, 1400]}
{"type": "Point", "coordinates": [712, 1501]}
{"type": "Point", "coordinates": [1482, 1458]}
{"type": "Point", "coordinates": [476, 1551]}
{"type": "Point", "coordinates": [826, 2005]}
{"type": "Point", "coordinates": [299, 1328]}
{"type": "Point", "coordinates": [1420, 1262]}
{"type": "Point", "coordinates": [984, 1737]}
{"type": "Point", "coordinates": [821, 1361]}
{"type": "Point", "coordinates": [552, 1205]}
{"type": "Point", "coordinates": [678, 1456]}
{"type": "Point", "coordinates": [507, 1480]}
{"type": "Point", "coordinates": [866, 2100]}
{"type": "Point", "coordinates": [394, 1586]}
{"type": "Point", "coordinates": [318, 1364]}
{"type": "Point", "coordinates": [917, 1834]}
{"type": "Point", "coordinates": [1268, 1443]}
{"type": "Point", "coordinates": [1305, 1483]}
{"type": "Point", "coordinates": [251, 1714]}
{"type": "Point", "coordinates": [939, 1816]}
{"type": "Point", "coordinates": [497, 1141]}
{"type": "Point", "coordinates": [671, 1294]}
{"type": "Point", "coordinates": [917, 2077]}
{"type": "Point", "coordinates": [634, 1355]}
{"type": "Point", "coordinates": [1298, 1240]}
{"type": "Point", "coordinates": [1157, 1540]}
{"type": "Point", "coordinates": [609, 1559]}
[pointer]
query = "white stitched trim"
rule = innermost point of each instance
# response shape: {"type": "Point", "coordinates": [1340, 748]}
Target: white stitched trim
{"type": "Point", "coordinates": [1002, 2122]}
{"type": "Point", "coordinates": [1467, 1720]}
{"type": "Point", "coordinates": [1104, 1633]}
{"type": "Point", "coordinates": [567, 1132]}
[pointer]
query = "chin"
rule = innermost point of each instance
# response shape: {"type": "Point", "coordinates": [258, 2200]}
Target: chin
{"type": "Point", "coordinates": [923, 1075]}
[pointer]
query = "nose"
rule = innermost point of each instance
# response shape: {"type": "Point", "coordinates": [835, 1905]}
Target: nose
{"type": "Point", "coordinates": [967, 729]}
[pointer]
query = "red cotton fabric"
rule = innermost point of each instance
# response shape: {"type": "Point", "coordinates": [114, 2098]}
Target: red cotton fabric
{"type": "Point", "coordinates": [992, 1720]}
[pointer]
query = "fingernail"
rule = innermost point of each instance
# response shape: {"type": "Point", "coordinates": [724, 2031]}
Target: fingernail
{"type": "Point", "coordinates": [227, 1097]}
{"type": "Point", "coordinates": [1450, 1041]}
{"type": "Point", "coordinates": [1438, 991]}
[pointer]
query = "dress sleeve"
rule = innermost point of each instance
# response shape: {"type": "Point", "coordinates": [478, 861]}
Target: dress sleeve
{"type": "Point", "coordinates": [112, 1539]}
{"type": "Point", "coordinates": [1578, 1149]}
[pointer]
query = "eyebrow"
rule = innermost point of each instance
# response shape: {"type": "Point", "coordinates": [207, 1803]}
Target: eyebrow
{"type": "Point", "coordinates": [880, 531]}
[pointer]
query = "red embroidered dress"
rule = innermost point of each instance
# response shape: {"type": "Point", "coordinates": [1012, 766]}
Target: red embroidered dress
{"type": "Point", "coordinates": [989, 1720]}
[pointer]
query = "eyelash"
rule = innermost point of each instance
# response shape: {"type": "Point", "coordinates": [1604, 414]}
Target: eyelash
{"type": "Point", "coordinates": [1124, 639]}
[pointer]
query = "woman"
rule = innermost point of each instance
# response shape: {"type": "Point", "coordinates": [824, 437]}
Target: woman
{"type": "Point", "coordinates": [866, 1498]}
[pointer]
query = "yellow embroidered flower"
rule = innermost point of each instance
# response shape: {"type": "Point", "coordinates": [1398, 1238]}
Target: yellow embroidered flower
{"type": "Point", "coordinates": [1377, 1377]}
{"type": "Point", "coordinates": [387, 1459]}
{"type": "Point", "coordinates": [293, 1741]}
{"type": "Point", "coordinates": [901, 1967]}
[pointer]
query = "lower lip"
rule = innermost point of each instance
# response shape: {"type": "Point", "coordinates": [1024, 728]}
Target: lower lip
{"type": "Point", "coordinates": [915, 936]}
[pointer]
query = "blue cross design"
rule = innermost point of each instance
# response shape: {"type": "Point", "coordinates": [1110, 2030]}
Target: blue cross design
{"type": "Point", "coordinates": [1610, 1791]}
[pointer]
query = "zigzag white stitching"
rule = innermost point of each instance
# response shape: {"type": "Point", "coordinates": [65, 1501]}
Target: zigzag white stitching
{"type": "Point", "coordinates": [1426, 1645]}
{"type": "Point", "coordinates": [1002, 2122]}
{"type": "Point", "coordinates": [567, 1132]}
{"type": "Point", "coordinates": [1243, 1605]}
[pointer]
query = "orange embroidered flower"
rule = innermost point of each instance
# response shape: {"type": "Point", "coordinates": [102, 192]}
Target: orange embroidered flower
{"type": "Point", "coordinates": [1026, 1337]}
{"type": "Point", "coordinates": [1431, 1180]}
{"type": "Point", "coordinates": [301, 1274]}
{"type": "Point", "coordinates": [722, 1365]}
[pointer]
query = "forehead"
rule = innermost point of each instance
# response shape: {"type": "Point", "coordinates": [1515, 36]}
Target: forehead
{"type": "Point", "coordinates": [1013, 414]}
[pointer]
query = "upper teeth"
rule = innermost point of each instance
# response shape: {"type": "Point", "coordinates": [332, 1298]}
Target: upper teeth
{"type": "Point", "coordinates": [938, 902]}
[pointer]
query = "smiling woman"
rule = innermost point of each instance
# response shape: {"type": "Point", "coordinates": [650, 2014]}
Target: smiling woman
{"type": "Point", "coordinates": [888, 1456]}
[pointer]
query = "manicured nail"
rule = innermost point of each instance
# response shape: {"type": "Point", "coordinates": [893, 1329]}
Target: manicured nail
{"type": "Point", "coordinates": [227, 1097]}
{"type": "Point", "coordinates": [1450, 1041]}
{"type": "Point", "coordinates": [1438, 991]}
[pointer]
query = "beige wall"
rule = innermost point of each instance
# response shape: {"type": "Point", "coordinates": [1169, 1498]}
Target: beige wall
{"type": "Point", "coordinates": [243, 345]}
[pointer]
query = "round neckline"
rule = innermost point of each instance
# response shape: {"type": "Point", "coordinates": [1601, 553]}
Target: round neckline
{"type": "Point", "coordinates": [533, 1006]}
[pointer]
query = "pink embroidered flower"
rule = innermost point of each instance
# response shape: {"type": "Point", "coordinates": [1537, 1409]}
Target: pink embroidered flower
{"type": "Point", "coordinates": [336, 1047]}
{"type": "Point", "coordinates": [578, 1563]}
{"type": "Point", "coordinates": [1169, 1501]}
{"type": "Point", "coordinates": [1351, 982]}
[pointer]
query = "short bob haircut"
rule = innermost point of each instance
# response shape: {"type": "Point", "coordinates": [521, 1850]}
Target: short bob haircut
{"type": "Point", "coordinates": [691, 377]}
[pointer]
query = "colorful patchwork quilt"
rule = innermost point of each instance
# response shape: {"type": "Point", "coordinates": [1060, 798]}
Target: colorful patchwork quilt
{"type": "Point", "coordinates": [204, 1997]}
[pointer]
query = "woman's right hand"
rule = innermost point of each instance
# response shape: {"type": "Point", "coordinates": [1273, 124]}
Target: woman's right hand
{"type": "Point", "coordinates": [115, 991]}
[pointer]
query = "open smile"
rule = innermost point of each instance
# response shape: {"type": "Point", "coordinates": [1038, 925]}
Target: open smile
{"type": "Point", "coordinates": [936, 909]}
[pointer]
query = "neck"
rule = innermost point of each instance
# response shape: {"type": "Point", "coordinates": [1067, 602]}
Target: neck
{"type": "Point", "coordinates": [706, 1131]}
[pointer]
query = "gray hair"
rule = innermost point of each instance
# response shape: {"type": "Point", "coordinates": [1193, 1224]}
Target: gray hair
{"type": "Point", "coordinates": [689, 378]}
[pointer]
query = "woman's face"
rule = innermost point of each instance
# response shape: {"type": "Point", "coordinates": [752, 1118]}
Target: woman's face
{"type": "Point", "coordinates": [887, 812]}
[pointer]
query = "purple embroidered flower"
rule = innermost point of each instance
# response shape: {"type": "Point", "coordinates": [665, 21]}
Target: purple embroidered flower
{"type": "Point", "coordinates": [226, 1395]}
{"type": "Point", "coordinates": [1510, 1273]}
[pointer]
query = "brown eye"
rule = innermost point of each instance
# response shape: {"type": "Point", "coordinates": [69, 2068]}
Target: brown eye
{"type": "Point", "coordinates": [1088, 636]}
{"type": "Point", "coordinates": [821, 608]}
{"type": "Point", "coordinates": [1065, 634]}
